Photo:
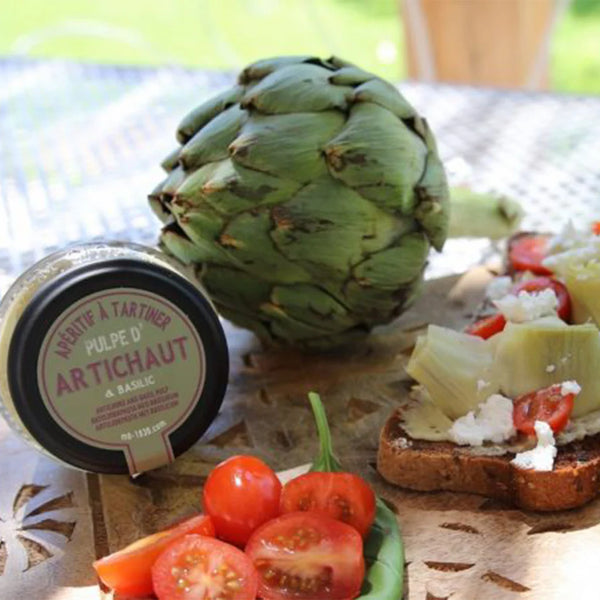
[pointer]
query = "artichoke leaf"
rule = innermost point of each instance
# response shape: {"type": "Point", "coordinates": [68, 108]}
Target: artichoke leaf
{"type": "Point", "coordinates": [433, 209]}
{"type": "Point", "coordinates": [199, 116]}
{"type": "Point", "coordinates": [266, 66]}
{"type": "Point", "coordinates": [327, 227]}
{"type": "Point", "coordinates": [283, 325]}
{"type": "Point", "coordinates": [170, 161]}
{"type": "Point", "coordinates": [376, 148]}
{"type": "Point", "coordinates": [246, 321]}
{"type": "Point", "coordinates": [311, 306]}
{"type": "Point", "coordinates": [159, 208]}
{"type": "Point", "coordinates": [232, 188]}
{"type": "Point", "coordinates": [176, 242]}
{"type": "Point", "coordinates": [245, 239]}
{"type": "Point", "coordinates": [400, 264]}
{"type": "Point", "coordinates": [339, 63]}
{"type": "Point", "coordinates": [172, 183]}
{"type": "Point", "coordinates": [211, 143]}
{"type": "Point", "coordinates": [297, 88]}
{"type": "Point", "coordinates": [188, 194]}
{"type": "Point", "coordinates": [374, 305]}
{"type": "Point", "coordinates": [287, 146]}
{"type": "Point", "coordinates": [203, 229]}
{"type": "Point", "coordinates": [350, 76]}
{"type": "Point", "coordinates": [235, 289]}
{"type": "Point", "coordinates": [383, 93]}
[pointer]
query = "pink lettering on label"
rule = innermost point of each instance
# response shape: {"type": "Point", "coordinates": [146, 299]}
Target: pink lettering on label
{"type": "Point", "coordinates": [124, 365]}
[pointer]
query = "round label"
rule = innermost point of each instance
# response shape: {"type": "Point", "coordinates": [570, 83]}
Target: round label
{"type": "Point", "coordinates": [122, 368]}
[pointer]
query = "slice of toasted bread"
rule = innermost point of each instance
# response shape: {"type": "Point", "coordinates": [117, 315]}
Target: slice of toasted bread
{"type": "Point", "coordinates": [428, 466]}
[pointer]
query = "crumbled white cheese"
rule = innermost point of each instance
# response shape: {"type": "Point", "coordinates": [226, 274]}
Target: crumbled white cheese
{"type": "Point", "coordinates": [498, 287]}
{"type": "Point", "coordinates": [579, 428]}
{"type": "Point", "coordinates": [482, 384]}
{"type": "Point", "coordinates": [585, 252]}
{"type": "Point", "coordinates": [570, 387]}
{"type": "Point", "coordinates": [540, 458]}
{"type": "Point", "coordinates": [493, 422]}
{"type": "Point", "coordinates": [528, 306]}
{"type": "Point", "coordinates": [550, 368]}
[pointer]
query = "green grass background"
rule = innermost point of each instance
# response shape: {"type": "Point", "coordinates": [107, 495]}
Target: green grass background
{"type": "Point", "coordinates": [227, 34]}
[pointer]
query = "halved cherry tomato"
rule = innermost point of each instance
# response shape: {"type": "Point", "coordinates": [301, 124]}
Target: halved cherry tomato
{"type": "Point", "coordinates": [527, 251]}
{"type": "Point", "coordinates": [596, 227]}
{"type": "Point", "coordinates": [342, 496]}
{"type": "Point", "coordinates": [201, 568]}
{"type": "Point", "coordinates": [240, 494]}
{"type": "Point", "coordinates": [487, 327]}
{"type": "Point", "coordinates": [547, 405]}
{"type": "Point", "coordinates": [129, 571]}
{"type": "Point", "coordinates": [307, 556]}
{"type": "Point", "coordinates": [537, 284]}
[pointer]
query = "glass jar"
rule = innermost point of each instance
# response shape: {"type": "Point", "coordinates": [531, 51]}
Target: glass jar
{"type": "Point", "coordinates": [112, 359]}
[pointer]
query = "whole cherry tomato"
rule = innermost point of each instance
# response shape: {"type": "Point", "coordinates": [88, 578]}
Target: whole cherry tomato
{"type": "Point", "coordinates": [240, 494]}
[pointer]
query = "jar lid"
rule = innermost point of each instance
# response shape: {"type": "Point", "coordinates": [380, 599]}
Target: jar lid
{"type": "Point", "coordinates": [117, 366]}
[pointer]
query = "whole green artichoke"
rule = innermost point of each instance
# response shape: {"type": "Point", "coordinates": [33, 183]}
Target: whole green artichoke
{"type": "Point", "coordinates": [307, 196]}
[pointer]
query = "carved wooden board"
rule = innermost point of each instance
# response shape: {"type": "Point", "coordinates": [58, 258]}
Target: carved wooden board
{"type": "Point", "coordinates": [55, 521]}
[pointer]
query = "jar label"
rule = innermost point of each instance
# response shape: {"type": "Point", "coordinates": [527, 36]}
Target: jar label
{"type": "Point", "coordinates": [123, 368]}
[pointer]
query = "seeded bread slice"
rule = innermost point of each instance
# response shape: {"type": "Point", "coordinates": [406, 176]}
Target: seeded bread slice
{"type": "Point", "coordinates": [429, 466]}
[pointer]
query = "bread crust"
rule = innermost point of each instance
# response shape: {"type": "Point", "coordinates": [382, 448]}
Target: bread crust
{"type": "Point", "coordinates": [429, 466]}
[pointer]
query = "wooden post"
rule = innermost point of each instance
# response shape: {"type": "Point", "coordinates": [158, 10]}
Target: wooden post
{"type": "Point", "coordinates": [501, 43]}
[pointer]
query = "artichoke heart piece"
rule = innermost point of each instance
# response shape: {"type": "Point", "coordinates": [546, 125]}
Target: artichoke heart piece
{"type": "Point", "coordinates": [212, 142]}
{"type": "Point", "coordinates": [531, 356]}
{"type": "Point", "coordinates": [326, 227]}
{"type": "Point", "coordinates": [449, 365]}
{"type": "Point", "coordinates": [583, 283]}
{"type": "Point", "coordinates": [201, 115]}
{"type": "Point", "coordinates": [375, 148]}
{"type": "Point", "coordinates": [297, 88]}
{"type": "Point", "coordinates": [288, 146]}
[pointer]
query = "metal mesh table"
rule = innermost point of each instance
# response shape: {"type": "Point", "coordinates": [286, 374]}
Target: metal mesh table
{"type": "Point", "coordinates": [80, 146]}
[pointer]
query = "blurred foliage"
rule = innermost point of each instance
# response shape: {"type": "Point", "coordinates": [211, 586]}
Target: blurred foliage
{"type": "Point", "coordinates": [227, 34]}
{"type": "Point", "coordinates": [585, 7]}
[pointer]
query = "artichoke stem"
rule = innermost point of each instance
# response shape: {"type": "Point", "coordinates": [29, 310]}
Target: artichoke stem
{"type": "Point", "coordinates": [482, 215]}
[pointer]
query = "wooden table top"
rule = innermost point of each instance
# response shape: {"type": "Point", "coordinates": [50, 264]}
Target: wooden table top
{"type": "Point", "coordinates": [55, 521]}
